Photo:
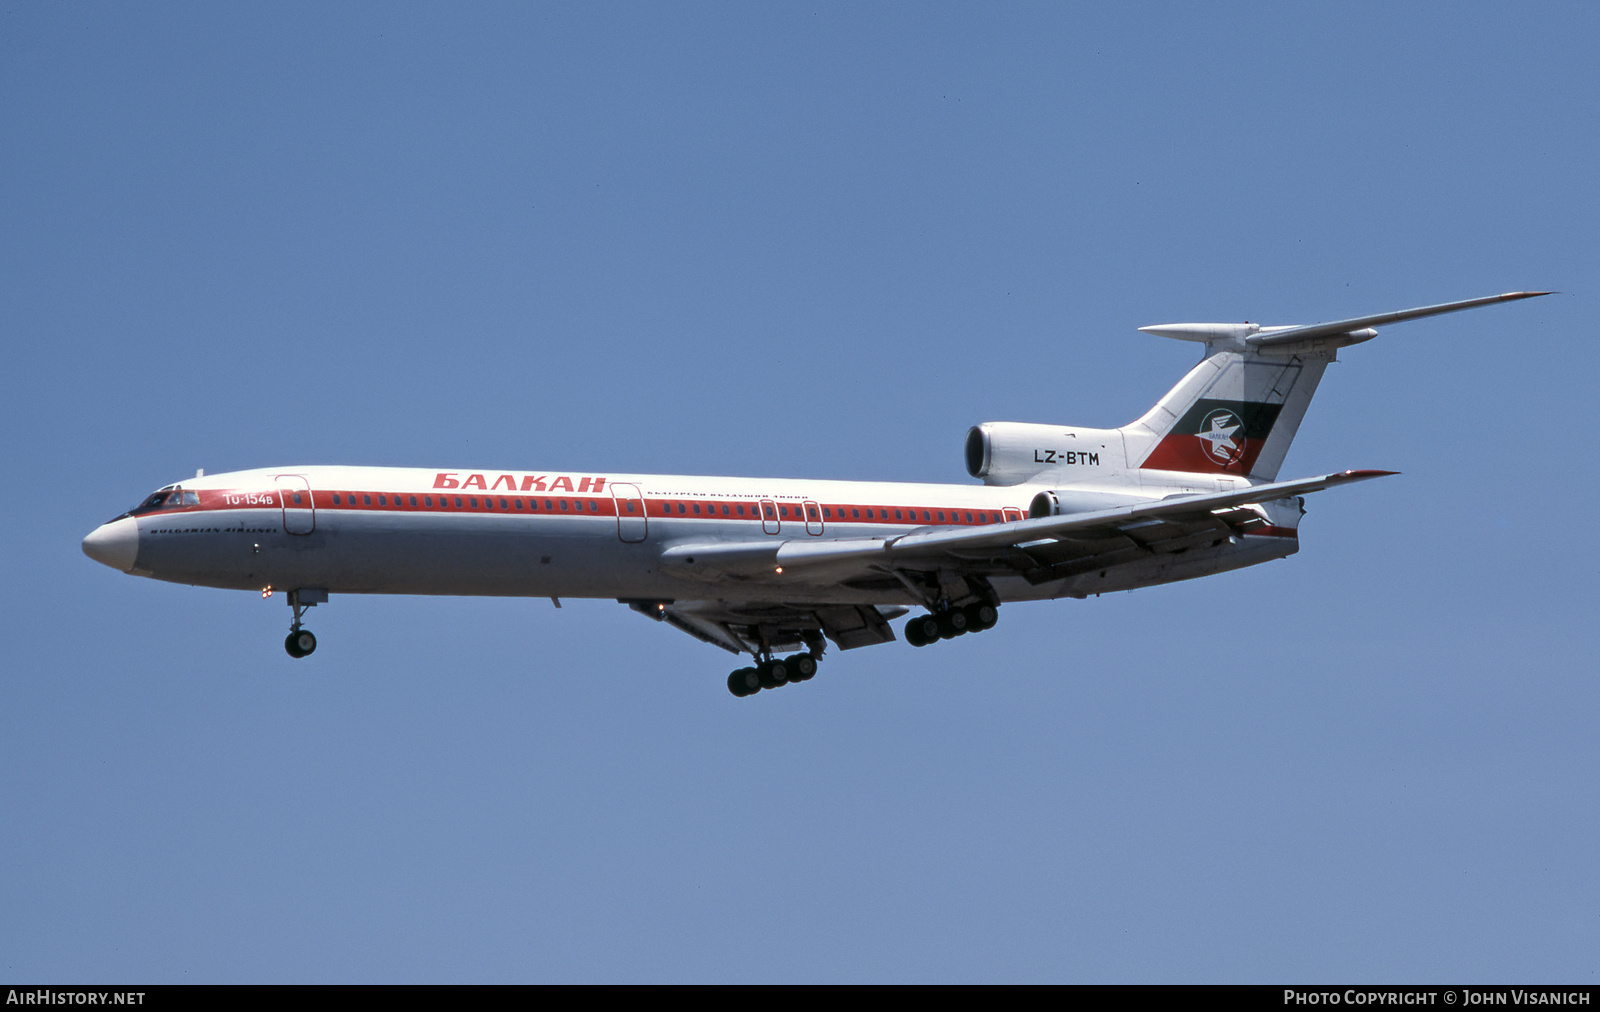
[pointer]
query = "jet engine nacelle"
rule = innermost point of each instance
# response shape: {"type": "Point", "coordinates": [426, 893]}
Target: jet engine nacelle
{"type": "Point", "coordinates": [1010, 453]}
{"type": "Point", "coordinates": [1059, 501]}
{"type": "Point", "coordinates": [1002, 453]}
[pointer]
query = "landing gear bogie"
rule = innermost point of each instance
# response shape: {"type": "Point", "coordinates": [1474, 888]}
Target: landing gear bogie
{"type": "Point", "coordinates": [946, 623]}
{"type": "Point", "coordinates": [773, 673]}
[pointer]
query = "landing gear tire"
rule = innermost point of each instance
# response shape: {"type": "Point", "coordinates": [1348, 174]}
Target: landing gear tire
{"type": "Point", "coordinates": [300, 643]}
{"type": "Point", "coordinates": [802, 667]}
{"type": "Point", "coordinates": [744, 682]}
{"type": "Point", "coordinates": [981, 616]}
{"type": "Point", "coordinates": [953, 623]}
{"type": "Point", "coordinates": [773, 674]}
{"type": "Point", "coordinates": [922, 630]}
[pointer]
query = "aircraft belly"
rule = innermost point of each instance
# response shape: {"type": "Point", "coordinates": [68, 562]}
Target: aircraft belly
{"type": "Point", "coordinates": [390, 554]}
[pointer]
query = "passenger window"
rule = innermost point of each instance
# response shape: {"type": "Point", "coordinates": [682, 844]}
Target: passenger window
{"type": "Point", "coordinates": [458, 502]}
{"type": "Point", "coordinates": [969, 518]}
{"type": "Point", "coordinates": [296, 497]}
{"type": "Point", "coordinates": [563, 504]}
{"type": "Point", "coordinates": [548, 505]}
{"type": "Point", "coordinates": [897, 514]}
{"type": "Point", "coordinates": [630, 507]}
{"type": "Point", "coordinates": [336, 498]}
{"type": "Point", "coordinates": [413, 500]}
{"type": "Point", "coordinates": [941, 516]}
{"type": "Point", "coordinates": [724, 509]}
{"type": "Point", "coordinates": [855, 513]}
{"type": "Point", "coordinates": [502, 504]}
{"type": "Point", "coordinates": [740, 508]}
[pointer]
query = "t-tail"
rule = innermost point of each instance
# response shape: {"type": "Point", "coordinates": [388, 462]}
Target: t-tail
{"type": "Point", "coordinates": [1238, 410]}
{"type": "Point", "coordinates": [1230, 420]}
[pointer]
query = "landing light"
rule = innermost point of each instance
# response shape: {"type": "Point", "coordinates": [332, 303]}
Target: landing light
{"type": "Point", "coordinates": [266, 592]}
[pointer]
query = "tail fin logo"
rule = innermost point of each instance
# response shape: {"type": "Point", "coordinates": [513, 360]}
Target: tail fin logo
{"type": "Point", "coordinates": [1220, 436]}
{"type": "Point", "coordinates": [1215, 437]}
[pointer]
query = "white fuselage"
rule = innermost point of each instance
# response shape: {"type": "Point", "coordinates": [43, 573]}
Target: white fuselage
{"type": "Point", "coordinates": [369, 530]}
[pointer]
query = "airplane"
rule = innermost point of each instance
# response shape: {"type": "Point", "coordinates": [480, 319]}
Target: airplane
{"type": "Point", "coordinates": [764, 566]}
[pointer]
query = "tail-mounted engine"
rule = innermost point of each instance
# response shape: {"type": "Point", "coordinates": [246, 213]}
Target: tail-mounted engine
{"type": "Point", "coordinates": [1057, 502]}
{"type": "Point", "coordinates": [1010, 453]}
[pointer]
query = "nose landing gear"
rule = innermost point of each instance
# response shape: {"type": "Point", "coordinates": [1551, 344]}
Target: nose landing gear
{"type": "Point", "coordinates": [300, 642]}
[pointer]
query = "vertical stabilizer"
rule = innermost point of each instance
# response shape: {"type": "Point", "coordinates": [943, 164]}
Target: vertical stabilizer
{"type": "Point", "coordinates": [1234, 413]}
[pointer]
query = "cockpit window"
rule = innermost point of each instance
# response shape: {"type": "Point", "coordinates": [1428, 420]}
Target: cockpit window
{"type": "Point", "coordinates": [165, 500]}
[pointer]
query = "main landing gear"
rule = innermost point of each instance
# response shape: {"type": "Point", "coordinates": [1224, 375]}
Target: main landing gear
{"type": "Point", "coordinates": [947, 623]}
{"type": "Point", "coordinates": [773, 672]}
{"type": "Point", "coordinates": [300, 642]}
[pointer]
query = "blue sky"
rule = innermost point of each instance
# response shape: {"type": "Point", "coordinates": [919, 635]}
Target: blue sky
{"type": "Point", "coordinates": [816, 240]}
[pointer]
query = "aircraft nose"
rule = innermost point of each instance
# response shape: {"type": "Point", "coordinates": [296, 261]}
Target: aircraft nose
{"type": "Point", "coordinates": [115, 544]}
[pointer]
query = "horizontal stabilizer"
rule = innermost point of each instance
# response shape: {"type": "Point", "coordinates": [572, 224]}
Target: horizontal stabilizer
{"type": "Point", "coordinates": [1293, 334]}
{"type": "Point", "coordinates": [1257, 336]}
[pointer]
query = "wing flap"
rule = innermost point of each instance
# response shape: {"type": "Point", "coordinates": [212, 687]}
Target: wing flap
{"type": "Point", "coordinates": [1121, 519]}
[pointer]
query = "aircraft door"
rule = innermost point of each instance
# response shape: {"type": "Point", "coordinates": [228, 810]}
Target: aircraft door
{"type": "Point", "coordinates": [769, 517]}
{"type": "Point", "coordinates": [813, 518]}
{"type": "Point", "coordinates": [1012, 514]}
{"type": "Point", "coordinates": [299, 512]}
{"type": "Point", "coordinates": [632, 525]}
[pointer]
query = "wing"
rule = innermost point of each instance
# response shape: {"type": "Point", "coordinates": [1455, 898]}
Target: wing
{"type": "Point", "coordinates": [1040, 549]}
